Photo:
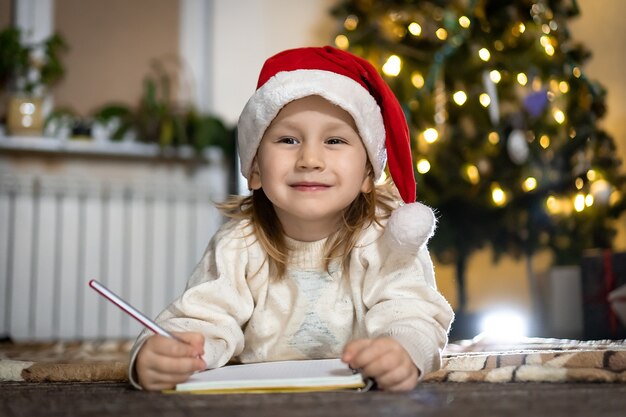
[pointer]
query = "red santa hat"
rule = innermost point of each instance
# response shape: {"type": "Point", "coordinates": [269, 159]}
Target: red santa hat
{"type": "Point", "coordinates": [353, 84]}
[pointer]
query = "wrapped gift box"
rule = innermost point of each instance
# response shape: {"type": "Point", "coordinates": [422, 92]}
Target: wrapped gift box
{"type": "Point", "coordinates": [602, 272]}
{"type": "Point", "coordinates": [617, 298]}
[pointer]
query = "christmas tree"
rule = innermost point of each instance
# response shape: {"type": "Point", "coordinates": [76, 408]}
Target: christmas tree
{"type": "Point", "coordinates": [505, 123]}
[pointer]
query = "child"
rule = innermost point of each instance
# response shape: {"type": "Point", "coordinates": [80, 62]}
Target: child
{"type": "Point", "coordinates": [320, 261]}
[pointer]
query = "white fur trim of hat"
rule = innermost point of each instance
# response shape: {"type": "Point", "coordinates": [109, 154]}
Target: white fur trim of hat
{"type": "Point", "coordinates": [288, 86]}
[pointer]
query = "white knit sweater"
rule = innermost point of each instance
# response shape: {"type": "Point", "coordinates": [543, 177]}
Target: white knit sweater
{"type": "Point", "coordinates": [311, 313]}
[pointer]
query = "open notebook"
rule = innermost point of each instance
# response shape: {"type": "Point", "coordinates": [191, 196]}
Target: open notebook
{"type": "Point", "coordinates": [281, 376]}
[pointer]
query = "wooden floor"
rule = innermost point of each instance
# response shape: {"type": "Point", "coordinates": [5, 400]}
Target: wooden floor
{"type": "Point", "coordinates": [446, 399]}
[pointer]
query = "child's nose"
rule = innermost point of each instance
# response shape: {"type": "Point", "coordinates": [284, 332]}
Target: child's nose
{"type": "Point", "coordinates": [311, 157]}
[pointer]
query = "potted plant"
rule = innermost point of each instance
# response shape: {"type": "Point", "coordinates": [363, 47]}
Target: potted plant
{"type": "Point", "coordinates": [27, 71]}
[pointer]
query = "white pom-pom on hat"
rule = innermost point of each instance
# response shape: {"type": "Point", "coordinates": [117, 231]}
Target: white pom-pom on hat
{"type": "Point", "coordinates": [410, 226]}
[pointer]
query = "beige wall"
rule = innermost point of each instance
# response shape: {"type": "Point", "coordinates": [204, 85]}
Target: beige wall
{"type": "Point", "coordinates": [602, 30]}
{"type": "Point", "coordinates": [112, 44]}
{"type": "Point", "coordinates": [257, 29]}
{"type": "Point", "coordinates": [5, 13]}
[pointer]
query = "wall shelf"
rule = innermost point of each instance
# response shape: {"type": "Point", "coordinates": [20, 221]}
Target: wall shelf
{"type": "Point", "coordinates": [122, 150]}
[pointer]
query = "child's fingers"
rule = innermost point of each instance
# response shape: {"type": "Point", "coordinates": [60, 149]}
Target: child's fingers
{"type": "Point", "coordinates": [393, 374]}
{"type": "Point", "coordinates": [166, 346]}
{"type": "Point", "coordinates": [154, 380]}
{"type": "Point", "coordinates": [156, 372]}
{"type": "Point", "coordinates": [194, 339]}
{"type": "Point", "coordinates": [385, 360]}
{"type": "Point", "coordinates": [163, 362]}
{"type": "Point", "coordinates": [352, 348]}
{"type": "Point", "coordinates": [375, 362]}
{"type": "Point", "coordinates": [364, 353]}
{"type": "Point", "coordinates": [151, 359]}
{"type": "Point", "coordinates": [173, 365]}
{"type": "Point", "coordinates": [405, 384]}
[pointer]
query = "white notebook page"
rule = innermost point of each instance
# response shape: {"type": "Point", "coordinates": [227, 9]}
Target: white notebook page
{"type": "Point", "coordinates": [292, 373]}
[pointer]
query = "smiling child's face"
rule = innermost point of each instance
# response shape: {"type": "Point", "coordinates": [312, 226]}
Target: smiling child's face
{"type": "Point", "coordinates": [311, 164]}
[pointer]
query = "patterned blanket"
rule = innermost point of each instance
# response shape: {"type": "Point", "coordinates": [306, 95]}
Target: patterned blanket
{"type": "Point", "coordinates": [525, 366]}
{"type": "Point", "coordinates": [531, 359]}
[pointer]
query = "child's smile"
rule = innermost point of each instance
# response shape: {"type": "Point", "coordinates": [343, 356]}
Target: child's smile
{"type": "Point", "coordinates": [311, 164]}
{"type": "Point", "coordinates": [309, 186]}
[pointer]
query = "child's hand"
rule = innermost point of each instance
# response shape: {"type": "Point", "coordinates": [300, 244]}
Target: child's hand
{"type": "Point", "coordinates": [163, 362]}
{"type": "Point", "coordinates": [383, 359]}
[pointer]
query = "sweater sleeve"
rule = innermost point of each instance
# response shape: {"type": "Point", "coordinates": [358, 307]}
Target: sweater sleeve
{"type": "Point", "coordinates": [401, 300]}
{"type": "Point", "coordinates": [216, 303]}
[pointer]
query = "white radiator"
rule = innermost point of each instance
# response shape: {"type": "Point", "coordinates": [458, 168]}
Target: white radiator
{"type": "Point", "coordinates": [139, 237]}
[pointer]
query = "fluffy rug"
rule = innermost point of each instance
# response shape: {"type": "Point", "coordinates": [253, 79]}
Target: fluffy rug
{"type": "Point", "coordinates": [478, 360]}
{"type": "Point", "coordinates": [64, 361]}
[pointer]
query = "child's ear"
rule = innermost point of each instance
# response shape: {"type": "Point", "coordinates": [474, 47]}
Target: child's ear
{"type": "Point", "coordinates": [368, 183]}
{"type": "Point", "coordinates": [254, 182]}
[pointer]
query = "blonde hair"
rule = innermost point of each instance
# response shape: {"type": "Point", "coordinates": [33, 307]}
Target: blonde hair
{"type": "Point", "coordinates": [367, 208]}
